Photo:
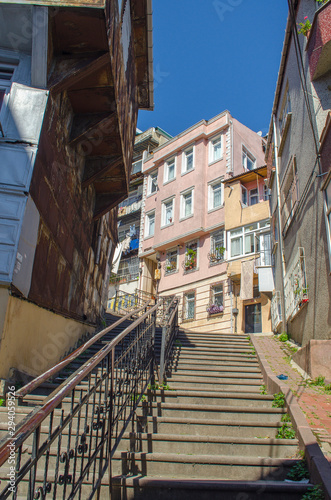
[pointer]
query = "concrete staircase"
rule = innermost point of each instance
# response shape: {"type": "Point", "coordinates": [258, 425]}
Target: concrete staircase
{"type": "Point", "coordinates": [208, 433]}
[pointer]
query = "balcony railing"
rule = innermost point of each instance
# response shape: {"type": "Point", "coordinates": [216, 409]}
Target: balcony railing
{"type": "Point", "coordinates": [130, 205]}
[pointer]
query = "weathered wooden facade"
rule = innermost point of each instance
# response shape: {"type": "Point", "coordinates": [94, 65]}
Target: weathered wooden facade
{"type": "Point", "coordinates": [72, 78]}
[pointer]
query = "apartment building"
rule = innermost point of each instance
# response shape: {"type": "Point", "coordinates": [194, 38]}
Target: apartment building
{"type": "Point", "coordinates": [124, 279]}
{"type": "Point", "coordinates": [184, 247]}
{"type": "Point", "coordinates": [299, 173]}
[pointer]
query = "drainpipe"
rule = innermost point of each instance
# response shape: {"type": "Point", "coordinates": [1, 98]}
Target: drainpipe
{"type": "Point", "coordinates": [281, 245]}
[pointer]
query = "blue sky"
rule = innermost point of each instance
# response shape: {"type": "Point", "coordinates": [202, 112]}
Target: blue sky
{"type": "Point", "coordinates": [212, 55]}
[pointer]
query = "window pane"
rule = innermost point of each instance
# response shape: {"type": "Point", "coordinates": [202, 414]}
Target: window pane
{"type": "Point", "coordinates": [217, 148]}
{"type": "Point", "coordinates": [151, 224]}
{"type": "Point", "coordinates": [168, 212]}
{"type": "Point", "coordinates": [190, 299]}
{"type": "Point", "coordinates": [249, 243]}
{"type": "Point", "coordinates": [253, 196]}
{"type": "Point", "coordinates": [236, 247]}
{"type": "Point", "coordinates": [218, 295]}
{"type": "Point", "coordinates": [171, 170]}
{"type": "Point", "coordinates": [244, 195]}
{"type": "Point", "coordinates": [189, 159]}
{"type": "Point", "coordinates": [2, 95]}
{"type": "Point", "coordinates": [188, 204]}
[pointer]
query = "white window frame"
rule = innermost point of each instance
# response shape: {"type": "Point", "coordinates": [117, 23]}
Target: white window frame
{"type": "Point", "coordinates": [152, 183]}
{"type": "Point", "coordinates": [188, 246]}
{"type": "Point", "coordinates": [247, 155]}
{"type": "Point", "coordinates": [211, 194]}
{"type": "Point", "coordinates": [240, 233]}
{"type": "Point", "coordinates": [254, 195]}
{"type": "Point", "coordinates": [183, 196]}
{"type": "Point", "coordinates": [216, 256]}
{"type": "Point", "coordinates": [189, 297]}
{"type": "Point", "coordinates": [172, 252]}
{"type": "Point", "coordinates": [149, 215]}
{"type": "Point", "coordinates": [164, 212]}
{"type": "Point", "coordinates": [212, 150]}
{"type": "Point", "coordinates": [167, 164]}
{"type": "Point", "coordinates": [186, 151]}
{"type": "Point", "coordinates": [266, 193]}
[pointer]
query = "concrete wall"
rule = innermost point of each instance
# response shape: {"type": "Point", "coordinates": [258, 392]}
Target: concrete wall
{"type": "Point", "coordinates": [307, 228]}
{"type": "Point", "coordinates": [34, 339]}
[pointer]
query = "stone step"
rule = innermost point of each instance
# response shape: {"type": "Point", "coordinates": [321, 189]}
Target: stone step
{"type": "Point", "coordinates": [221, 385]}
{"type": "Point", "coordinates": [223, 371]}
{"type": "Point", "coordinates": [177, 465]}
{"type": "Point", "coordinates": [258, 428]}
{"type": "Point", "coordinates": [230, 413]}
{"type": "Point", "coordinates": [210, 397]}
{"type": "Point", "coordinates": [150, 488]}
{"type": "Point", "coordinates": [201, 362]}
{"type": "Point", "coordinates": [209, 445]}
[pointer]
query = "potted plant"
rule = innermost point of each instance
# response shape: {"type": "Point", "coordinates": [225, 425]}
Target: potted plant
{"type": "Point", "coordinates": [190, 259]}
{"type": "Point", "coordinates": [214, 309]}
{"type": "Point", "coordinates": [305, 27]}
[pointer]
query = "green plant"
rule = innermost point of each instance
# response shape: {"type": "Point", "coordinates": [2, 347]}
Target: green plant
{"type": "Point", "coordinates": [190, 259]}
{"type": "Point", "coordinates": [304, 30]}
{"type": "Point", "coordinates": [263, 389]}
{"type": "Point", "coordinates": [286, 418]}
{"type": "Point", "coordinates": [327, 388]}
{"type": "Point", "coordinates": [298, 471]}
{"type": "Point", "coordinates": [286, 431]}
{"type": "Point", "coordinates": [178, 343]}
{"type": "Point", "coordinates": [2, 402]}
{"type": "Point", "coordinates": [279, 400]}
{"type": "Point", "coordinates": [320, 380]}
{"type": "Point", "coordinates": [314, 493]}
{"type": "Point", "coordinates": [103, 322]}
{"type": "Point", "coordinates": [283, 337]}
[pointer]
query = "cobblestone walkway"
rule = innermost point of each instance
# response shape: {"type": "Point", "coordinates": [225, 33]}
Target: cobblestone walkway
{"type": "Point", "coordinates": [313, 400]}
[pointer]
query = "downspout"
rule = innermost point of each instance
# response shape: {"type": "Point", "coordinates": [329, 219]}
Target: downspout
{"type": "Point", "coordinates": [281, 245]}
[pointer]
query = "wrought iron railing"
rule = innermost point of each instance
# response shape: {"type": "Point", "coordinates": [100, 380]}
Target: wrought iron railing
{"type": "Point", "coordinates": [64, 447]}
{"type": "Point", "coordinates": [169, 333]}
{"type": "Point", "coordinates": [123, 302]}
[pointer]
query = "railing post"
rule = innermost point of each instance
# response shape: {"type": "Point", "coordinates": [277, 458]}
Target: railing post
{"type": "Point", "coordinates": [163, 342]}
{"type": "Point", "coordinates": [115, 300]}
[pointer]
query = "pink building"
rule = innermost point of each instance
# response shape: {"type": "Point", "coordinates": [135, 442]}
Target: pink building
{"type": "Point", "coordinates": [183, 247]}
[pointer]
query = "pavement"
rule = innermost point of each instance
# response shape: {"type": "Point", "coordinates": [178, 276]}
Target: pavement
{"type": "Point", "coordinates": [314, 401]}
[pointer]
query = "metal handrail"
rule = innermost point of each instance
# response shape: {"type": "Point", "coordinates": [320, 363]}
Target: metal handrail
{"type": "Point", "coordinates": [169, 332]}
{"type": "Point", "coordinates": [36, 382]}
{"type": "Point", "coordinates": [105, 407]}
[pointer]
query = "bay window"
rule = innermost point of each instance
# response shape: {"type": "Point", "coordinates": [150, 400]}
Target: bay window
{"type": "Point", "coordinates": [248, 239]}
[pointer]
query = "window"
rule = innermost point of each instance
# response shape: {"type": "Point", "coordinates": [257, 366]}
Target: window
{"type": "Point", "coordinates": [244, 196]}
{"type": "Point", "coordinates": [6, 76]}
{"type": "Point", "coordinates": [171, 264]}
{"type": "Point", "coordinates": [150, 224]}
{"type": "Point", "coordinates": [215, 194]}
{"type": "Point", "coordinates": [215, 148]}
{"type": "Point", "coordinates": [216, 299]}
{"type": "Point", "coordinates": [152, 183]}
{"type": "Point", "coordinates": [217, 247]}
{"type": "Point", "coordinates": [285, 110]}
{"type": "Point", "coordinates": [189, 306]}
{"type": "Point", "coordinates": [248, 160]}
{"type": "Point", "coordinates": [289, 194]}
{"type": "Point", "coordinates": [191, 256]}
{"type": "Point", "coordinates": [253, 196]}
{"type": "Point", "coordinates": [188, 160]}
{"type": "Point", "coordinates": [168, 212]}
{"type": "Point", "coordinates": [186, 204]}
{"type": "Point", "coordinates": [170, 170]}
{"type": "Point", "coordinates": [247, 240]}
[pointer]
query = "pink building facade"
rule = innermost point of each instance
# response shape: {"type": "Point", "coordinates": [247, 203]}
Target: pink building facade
{"type": "Point", "coordinates": [183, 243]}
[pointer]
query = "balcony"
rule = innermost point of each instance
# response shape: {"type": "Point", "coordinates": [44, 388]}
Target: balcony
{"type": "Point", "coordinates": [130, 206]}
{"type": "Point", "coordinates": [319, 43]}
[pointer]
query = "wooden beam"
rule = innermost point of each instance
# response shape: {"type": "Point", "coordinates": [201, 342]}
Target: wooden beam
{"type": "Point", "coordinates": [107, 169]}
{"type": "Point", "coordinates": [75, 70]}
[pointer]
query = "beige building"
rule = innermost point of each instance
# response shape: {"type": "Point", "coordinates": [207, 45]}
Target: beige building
{"type": "Point", "coordinates": [247, 223]}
